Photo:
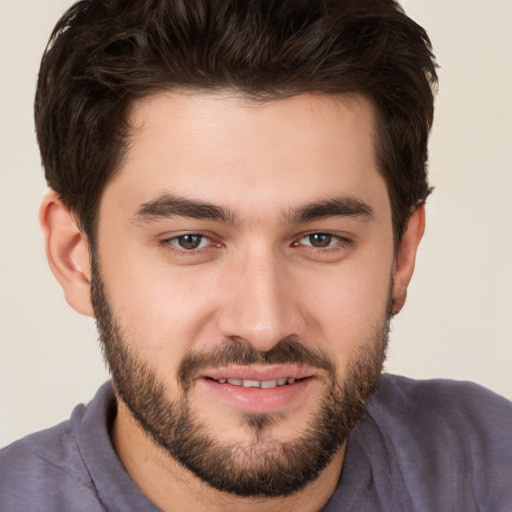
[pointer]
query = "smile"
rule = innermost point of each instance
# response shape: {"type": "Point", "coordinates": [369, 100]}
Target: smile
{"type": "Point", "coordinates": [265, 384]}
{"type": "Point", "coordinates": [259, 388]}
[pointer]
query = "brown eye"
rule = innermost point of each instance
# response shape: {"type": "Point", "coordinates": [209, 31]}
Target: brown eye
{"type": "Point", "coordinates": [190, 242]}
{"type": "Point", "coordinates": [320, 240]}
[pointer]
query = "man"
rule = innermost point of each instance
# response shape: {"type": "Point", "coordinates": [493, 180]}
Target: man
{"type": "Point", "coordinates": [237, 197]}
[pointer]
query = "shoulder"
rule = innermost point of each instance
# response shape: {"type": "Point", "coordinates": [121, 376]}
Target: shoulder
{"type": "Point", "coordinates": [457, 414]}
{"type": "Point", "coordinates": [444, 403]}
{"type": "Point", "coordinates": [33, 468]}
{"type": "Point", "coordinates": [447, 438]}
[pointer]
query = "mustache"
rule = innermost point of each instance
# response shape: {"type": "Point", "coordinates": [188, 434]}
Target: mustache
{"type": "Point", "coordinates": [289, 350]}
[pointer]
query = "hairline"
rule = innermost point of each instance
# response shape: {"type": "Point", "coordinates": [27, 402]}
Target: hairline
{"type": "Point", "coordinates": [229, 92]}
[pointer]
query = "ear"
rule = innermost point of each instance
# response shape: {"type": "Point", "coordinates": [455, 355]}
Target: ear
{"type": "Point", "coordinates": [404, 265]}
{"type": "Point", "coordinates": [67, 252]}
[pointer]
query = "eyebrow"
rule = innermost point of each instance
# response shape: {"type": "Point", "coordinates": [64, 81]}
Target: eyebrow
{"type": "Point", "coordinates": [341, 206]}
{"type": "Point", "coordinates": [169, 205]}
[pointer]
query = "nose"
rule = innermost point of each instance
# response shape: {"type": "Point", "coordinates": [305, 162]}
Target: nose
{"type": "Point", "coordinates": [262, 306]}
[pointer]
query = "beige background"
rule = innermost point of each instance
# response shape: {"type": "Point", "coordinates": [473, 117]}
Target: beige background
{"type": "Point", "coordinates": [457, 320]}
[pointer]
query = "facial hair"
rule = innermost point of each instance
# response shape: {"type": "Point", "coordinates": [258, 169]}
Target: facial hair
{"type": "Point", "coordinates": [264, 467]}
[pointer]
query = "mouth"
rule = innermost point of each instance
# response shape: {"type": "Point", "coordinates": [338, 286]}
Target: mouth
{"type": "Point", "coordinates": [258, 389]}
{"type": "Point", "coordinates": [264, 384]}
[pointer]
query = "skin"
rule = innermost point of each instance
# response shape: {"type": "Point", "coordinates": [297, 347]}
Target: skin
{"type": "Point", "coordinates": [255, 277]}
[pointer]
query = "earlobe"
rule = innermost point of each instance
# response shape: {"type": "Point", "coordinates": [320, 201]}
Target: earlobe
{"type": "Point", "coordinates": [67, 252]}
{"type": "Point", "coordinates": [406, 257]}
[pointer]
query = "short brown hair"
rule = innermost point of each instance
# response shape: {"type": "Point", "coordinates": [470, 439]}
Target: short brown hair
{"type": "Point", "coordinates": [104, 54]}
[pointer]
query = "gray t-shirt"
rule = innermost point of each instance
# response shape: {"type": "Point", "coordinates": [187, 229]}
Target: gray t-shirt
{"type": "Point", "coordinates": [423, 446]}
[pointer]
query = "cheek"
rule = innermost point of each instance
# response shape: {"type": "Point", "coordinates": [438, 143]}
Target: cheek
{"type": "Point", "coordinates": [161, 308]}
{"type": "Point", "coordinates": [349, 305]}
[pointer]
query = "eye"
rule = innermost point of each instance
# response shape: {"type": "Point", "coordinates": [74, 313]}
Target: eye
{"type": "Point", "coordinates": [190, 242]}
{"type": "Point", "coordinates": [319, 240]}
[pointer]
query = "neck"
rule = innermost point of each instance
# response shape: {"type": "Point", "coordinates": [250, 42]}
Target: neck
{"type": "Point", "coordinates": [172, 487]}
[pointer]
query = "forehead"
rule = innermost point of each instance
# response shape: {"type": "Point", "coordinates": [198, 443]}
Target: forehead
{"type": "Point", "coordinates": [227, 149]}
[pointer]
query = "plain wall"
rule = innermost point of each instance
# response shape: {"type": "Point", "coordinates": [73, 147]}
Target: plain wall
{"type": "Point", "coordinates": [456, 322]}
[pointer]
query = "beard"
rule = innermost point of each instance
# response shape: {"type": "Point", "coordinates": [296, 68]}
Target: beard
{"type": "Point", "coordinates": [263, 466]}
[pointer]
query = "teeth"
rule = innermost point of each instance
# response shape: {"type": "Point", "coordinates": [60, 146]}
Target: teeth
{"type": "Point", "coordinates": [251, 383]}
{"type": "Point", "coordinates": [265, 384]}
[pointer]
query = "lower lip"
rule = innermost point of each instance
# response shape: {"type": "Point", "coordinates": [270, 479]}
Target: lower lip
{"type": "Point", "coordinates": [259, 400]}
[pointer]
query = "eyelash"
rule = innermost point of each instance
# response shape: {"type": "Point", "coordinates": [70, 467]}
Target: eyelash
{"type": "Point", "coordinates": [171, 243]}
{"type": "Point", "coordinates": [340, 242]}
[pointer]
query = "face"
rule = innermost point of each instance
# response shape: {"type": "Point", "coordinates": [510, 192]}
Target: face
{"type": "Point", "coordinates": [242, 282]}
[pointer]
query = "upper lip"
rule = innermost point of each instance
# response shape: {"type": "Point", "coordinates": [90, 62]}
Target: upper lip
{"type": "Point", "coordinates": [258, 372]}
